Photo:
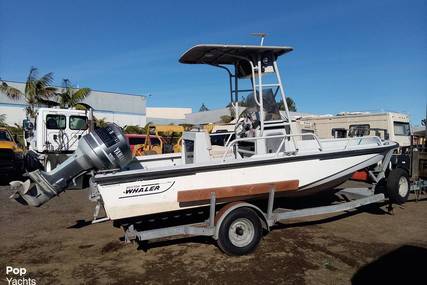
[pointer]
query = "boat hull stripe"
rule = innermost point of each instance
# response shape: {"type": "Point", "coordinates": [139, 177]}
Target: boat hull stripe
{"type": "Point", "coordinates": [236, 191]}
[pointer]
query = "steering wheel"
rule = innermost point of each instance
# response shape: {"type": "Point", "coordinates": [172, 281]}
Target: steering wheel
{"type": "Point", "coordinates": [239, 128]}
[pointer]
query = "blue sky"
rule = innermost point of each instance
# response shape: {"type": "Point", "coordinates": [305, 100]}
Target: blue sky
{"type": "Point", "coordinates": [349, 55]}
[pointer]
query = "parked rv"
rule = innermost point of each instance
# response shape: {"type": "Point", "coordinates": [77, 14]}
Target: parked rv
{"type": "Point", "coordinates": [388, 126]}
{"type": "Point", "coordinates": [408, 164]}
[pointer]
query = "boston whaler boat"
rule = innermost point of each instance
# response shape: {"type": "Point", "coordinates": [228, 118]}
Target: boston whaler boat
{"type": "Point", "coordinates": [264, 157]}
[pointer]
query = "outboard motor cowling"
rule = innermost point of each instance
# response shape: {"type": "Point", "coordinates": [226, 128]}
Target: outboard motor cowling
{"type": "Point", "coordinates": [104, 148]}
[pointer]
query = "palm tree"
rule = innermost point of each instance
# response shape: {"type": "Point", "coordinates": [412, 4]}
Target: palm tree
{"type": "Point", "coordinates": [70, 96]}
{"type": "Point", "coordinates": [291, 104]}
{"type": "Point", "coordinates": [2, 120]}
{"type": "Point", "coordinates": [37, 90]}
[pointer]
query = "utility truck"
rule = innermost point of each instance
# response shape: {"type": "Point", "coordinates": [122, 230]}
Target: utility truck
{"type": "Point", "coordinates": [52, 136]}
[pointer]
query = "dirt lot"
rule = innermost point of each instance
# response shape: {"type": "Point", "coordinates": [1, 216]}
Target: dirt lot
{"type": "Point", "coordinates": [56, 245]}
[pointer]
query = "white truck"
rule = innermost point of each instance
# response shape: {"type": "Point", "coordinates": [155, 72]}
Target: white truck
{"type": "Point", "coordinates": [53, 136]}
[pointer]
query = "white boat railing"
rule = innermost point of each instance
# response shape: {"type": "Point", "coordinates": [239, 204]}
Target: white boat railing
{"type": "Point", "coordinates": [283, 137]}
{"type": "Point", "coordinates": [360, 139]}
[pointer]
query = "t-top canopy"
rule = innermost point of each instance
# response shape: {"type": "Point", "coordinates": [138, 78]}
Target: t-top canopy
{"type": "Point", "coordinates": [228, 54]}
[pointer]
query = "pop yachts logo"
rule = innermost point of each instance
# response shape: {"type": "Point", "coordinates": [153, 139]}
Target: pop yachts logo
{"type": "Point", "coordinates": [17, 276]}
{"type": "Point", "coordinates": [147, 189]}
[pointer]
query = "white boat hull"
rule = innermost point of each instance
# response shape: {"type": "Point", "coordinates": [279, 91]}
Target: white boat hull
{"type": "Point", "coordinates": [150, 196]}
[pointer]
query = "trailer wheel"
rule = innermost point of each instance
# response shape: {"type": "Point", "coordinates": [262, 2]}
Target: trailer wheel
{"type": "Point", "coordinates": [240, 232]}
{"type": "Point", "coordinates": [398, 186]}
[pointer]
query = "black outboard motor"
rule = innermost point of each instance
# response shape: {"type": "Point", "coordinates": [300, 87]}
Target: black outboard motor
{"type": "Point", "coordinates": [104, 148]}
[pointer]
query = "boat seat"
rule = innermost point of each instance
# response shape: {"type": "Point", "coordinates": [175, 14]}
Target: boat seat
{"type": "Point", "coordinates": [218, 151]}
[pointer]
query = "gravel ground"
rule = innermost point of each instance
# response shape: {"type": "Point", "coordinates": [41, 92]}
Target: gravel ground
{"type": "Point", "coordinates": [57, 245]}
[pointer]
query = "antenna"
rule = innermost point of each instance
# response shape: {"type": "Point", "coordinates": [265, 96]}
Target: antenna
{"type": "Point", "coordinates": [261, 35]}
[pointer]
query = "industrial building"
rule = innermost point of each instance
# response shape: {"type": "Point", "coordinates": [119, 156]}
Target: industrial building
{"type": "Point", "coordinates": [120, 108]}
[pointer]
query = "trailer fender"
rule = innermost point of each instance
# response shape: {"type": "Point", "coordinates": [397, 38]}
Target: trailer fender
{"type": "Point", "coordinates": [220, 216]}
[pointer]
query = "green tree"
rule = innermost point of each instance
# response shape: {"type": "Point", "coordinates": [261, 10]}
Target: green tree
{"type": "Point", "coordinates": [100, 123]}
{"type": "Point", "coordinates": [291, 105]}
{"type": "Point", "coordinates": [70, 96]}
{"type": "Point", "coordinates": [134, 130]}
{"type": "Point", "coordinates": [37, 90]}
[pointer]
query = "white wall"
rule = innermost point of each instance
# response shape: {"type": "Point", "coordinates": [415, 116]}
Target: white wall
{"type": "Point", "coordinates": [121, 119]}
{"type": "Point", "coordinates": [14, 114]}
{"type": "Point", "coordinates": [167, 113]}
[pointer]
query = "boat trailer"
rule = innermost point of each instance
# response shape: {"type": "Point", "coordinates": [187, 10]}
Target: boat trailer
{"type": "Point", "coordinates": [237, 226]}
{"type": "Point", "coordinates": [217, 221]}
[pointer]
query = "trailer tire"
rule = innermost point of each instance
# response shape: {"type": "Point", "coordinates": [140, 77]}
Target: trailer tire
{"type": "Point", "coordinates": [398, 186]}
{"type": "Point", "coordinates": [240, 232]}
